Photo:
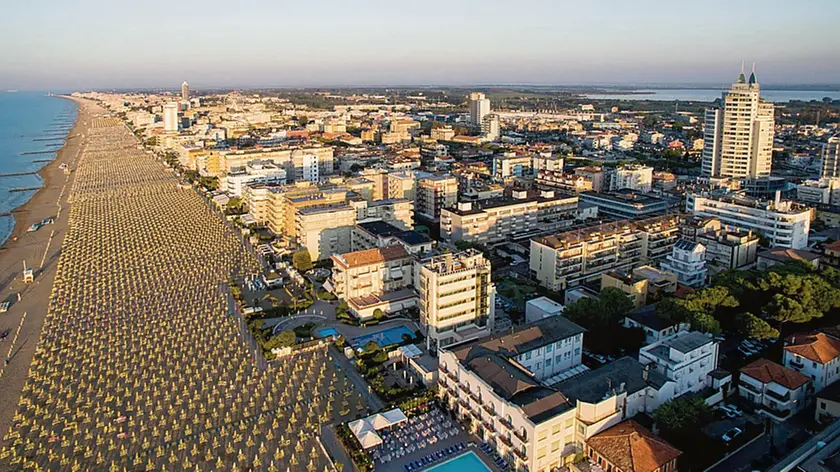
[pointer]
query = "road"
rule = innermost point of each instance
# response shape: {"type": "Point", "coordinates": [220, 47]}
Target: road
{"type": "Point", "coordinates": [373, 402]}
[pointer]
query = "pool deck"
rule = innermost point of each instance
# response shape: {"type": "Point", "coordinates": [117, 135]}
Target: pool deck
{"type": "Point", "coordinates": [397, 465]}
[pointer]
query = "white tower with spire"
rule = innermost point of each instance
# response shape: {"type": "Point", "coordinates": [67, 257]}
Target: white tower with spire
{"type": "Point", "coordinates": [185, 92]}
{"type": "Point", "coordinates": [738, 134]}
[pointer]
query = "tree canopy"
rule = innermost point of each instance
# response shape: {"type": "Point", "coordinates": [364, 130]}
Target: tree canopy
{"type": "Point", "coordinates": [683, 415]}
{"type": "Point", "coordinates": [606, 310]}
{"type": "Point", "coordinates": [301, 260]}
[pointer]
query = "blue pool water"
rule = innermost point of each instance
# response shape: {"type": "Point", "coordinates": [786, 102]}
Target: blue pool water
{"type": "Point", "coordinates": [326, 332]}
{"type": "Point", "coordinates": [384, 338]}
{"type": "Point", "coordinates": [468, 462]}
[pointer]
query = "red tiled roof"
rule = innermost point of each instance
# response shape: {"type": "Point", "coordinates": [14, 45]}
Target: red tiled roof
{"type": "Point", "coordinates": [632, 448]}
{"type": "Point", "coordinates": [817, 347]}
{"type": "Point", "coordinates": [371, 256]}
{"type": "Point", "coordinates": [766, 371]}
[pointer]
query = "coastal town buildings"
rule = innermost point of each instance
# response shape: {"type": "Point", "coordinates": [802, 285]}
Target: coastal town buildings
{"type": "Point", "coordinates": [457, 298]}
{"type": "Point", "coordinates": [688, 261]}
{"type": "Point", "coordinates": [738, 135]}
{"type": "Point", "coordinates": [783, 222]}
{"type": "Point", "coordinates": [633, 177]}
{"type": "Point", "coordinates": [686, 358]}
{"type": "Point", "coordinates": [434, 193]}
{"type": "Point", "coordinates": [570, 258]}
{"type": "Point", "coordinates": [830, 164]}
{"type": "Point", "coordinates": [479, 108]}
{"type": "Point", "coordinates": [500, 219]}
{"type": "Point", "coordinates": [170, 117]}
{"type": "Point", "coordinates": [816, 355]}
{"type": "Point", "coordinates": [774, 389]}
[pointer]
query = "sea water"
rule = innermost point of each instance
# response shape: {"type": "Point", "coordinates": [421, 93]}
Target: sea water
{"type": "Point", "coordinates": [24, 117]}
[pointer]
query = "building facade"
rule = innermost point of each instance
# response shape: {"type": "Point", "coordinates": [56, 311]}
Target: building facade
{"type": "Point", "coordinates": [435, 193]}
{"type": "Point", "coordinates": [784, 223]}
{"type": "Point", "coordinates": [479, 108]}
{"type": "Point", "coordinates": [830, 167]}
{"type": "Point", "coordinates": [457, 298]}
{"type": "Point", "coordinates": [372, 271]}
{"type": "Point", "coordinates": [738, 135]}
{"type": "Point", "coordinates": [688, 261]}
{"type": "Point", "coordinates": [570, 258]}
{"type": "Point", "coordinates": [814, 354]}
{"type": "Point", "coordinates": [686, 358]}
{"type": "Point", "coordinates": [777, 391]}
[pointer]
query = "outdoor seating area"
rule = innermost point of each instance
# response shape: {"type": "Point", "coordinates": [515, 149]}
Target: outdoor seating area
{"type": "Point", "coordinates": [416, 434]}
{"type": "Point", "coordinates": [491, 451]}
{"type": "Point", "coordinates": [434, 457]}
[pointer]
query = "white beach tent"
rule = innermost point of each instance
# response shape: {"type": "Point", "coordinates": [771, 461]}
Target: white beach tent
{"type": "Point", "coordinates": [369, 439]}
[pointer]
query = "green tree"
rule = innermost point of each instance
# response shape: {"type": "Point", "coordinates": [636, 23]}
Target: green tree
{"type": "Point", "coordinates": [235, 206]}
{"type": "Point", "coordinates": [683, 415]}
{"type": "Point", "coordinates": [377, 314]}
{"type": "Point", "coordinates": [302, 261]}
{"type": "Point", "coordinates": [585, 312]}
{"type": "Point", "coordinates": [615, 304]}
{"type": "Point", "coordinates": [752, 326]}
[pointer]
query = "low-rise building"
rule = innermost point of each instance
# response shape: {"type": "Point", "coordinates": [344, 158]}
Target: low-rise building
{"type": "Point", "coordinates": [686, 358]}
{"type": "Point", "coordinates": [635, 288]}
{"type": "Point", "coordinates": [373, 234]}
{"type": "Point", "coordinates": [777, 391]}
{"type": "Point", "coordinates": [568, 183]}
{"type": "Point", "coordinates": [656, 328]}
{"type": "Point", "coordinates": [814, 354]}
{"type": "Point", "coordinates": [688, 261]}
{"type": "Point", "coordinates": [727, 250]}
{"type": "Point", "coordinates": [828, 404]}
{"type": "Point", "coordinates": [541, 307]}
{"type": "Point", "coordinates": [831, 254]}
{"type": "Point", "coordinates": [372, 271]}
{"type": "Point", "coordinates": [630, 204]}
{"type": "Point", "coordinates": [457, 298]}
{"type": "Point", "coordinates": [630, 447]}
{"type": "Point", "coordinates": [659, 281]}
{"type": "Point", "coordinates": [780, 255]}
{"type": "Point", "coordinates": [593, 174]}
{"type": "Point", "coordinates": [570, 258]}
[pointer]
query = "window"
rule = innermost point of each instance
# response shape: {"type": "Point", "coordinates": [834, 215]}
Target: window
{"type": "Point", "coordinates": [542, 435]}
{"type": "Point", "coordinates": [528, 356]}
{"type": "Point", "coordinates": [814, 364]}
{"type": "Point", "coordinates": [822, 405]}
{"type": "Point", "coordinates": [555, 446]}
{"type": "Point", "coordinates": [577, 351]}
{"type": "Point", "coordinates": [570, 423]}
{"type": "Point", "coordinates": [557, 428]}
{"type": "Point", "coordinates": [548, 363]}
{"type": "Point", "coordinates": [581, 429]}
{"type": "Point", "coordinates": [541, 453]}
{"type": "Point", "coordinates": [558, 359]}
{"type": "Point", "coordinates": [549, 348]}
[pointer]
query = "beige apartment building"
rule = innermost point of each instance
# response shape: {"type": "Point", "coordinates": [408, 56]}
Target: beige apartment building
{"type": "Point", "coordinates": [738, 135]}
{"type": "Point", "coordinates": [497, 220]}
{"type": "Point", "coordinates": [325, 230]}
{"type": "Point", "coordinates": [568, 183]}
{"type": "Point", "coordinates": [507, 391]}
{"type": "Point", "coordinates": [435, 192]}
{"type": "Point", "coordinates": [573, 257]}
{"type": "Point", "coordinates": [457, 298]}
{"type": "Point", "coordinates": [370, 272]}
{"type": "Point", "coordinates": [402, 185]}
{"type": "Point", "coordinates": [300, 163]}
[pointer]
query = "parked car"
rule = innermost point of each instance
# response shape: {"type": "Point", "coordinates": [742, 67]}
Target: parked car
{"type": "Point", "coordinates": [735, 409]}
{"type": "Point", "coordinates": [4, 307]}
{"type": "Point", "coordinates": [4, 334]}
{"type": "Point", "coordinates": [731, 434]}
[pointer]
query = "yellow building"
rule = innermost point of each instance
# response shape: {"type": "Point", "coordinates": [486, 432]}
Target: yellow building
{"type": "Point", "coordinates": [635, 288]}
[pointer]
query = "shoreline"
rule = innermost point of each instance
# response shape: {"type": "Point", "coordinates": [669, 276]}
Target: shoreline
{"type": "Point", "coordinates": [43, 174]}
{"type": "Point", "coordinates": [40, 251]}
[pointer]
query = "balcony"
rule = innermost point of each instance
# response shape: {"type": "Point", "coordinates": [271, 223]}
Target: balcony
{"type": "Point", "coordinates": [780, 415]}
{"type": "Point", "coordinates": [520, 454]}
{"type": "Point", "coordinates": [452, 376]}
{"type": "Point", "coordinates": [750, 388]}
{"type": "Point", "coordinates": [489, 409]}
{"type": "Point", "coordinates": [507, 424]}
{"type": "Point", "coordinates": [521, 435]}
{"type": "Point", "coordinates": [464, 388]}
{"type": "Point", "coordinates": [796, 365]}
{"type": "Point", "coordinates": [779, 398]}
{"type": "Point", "coordinates": [488, 425]}
{"type": "Point", "coordinates": [506, 441]}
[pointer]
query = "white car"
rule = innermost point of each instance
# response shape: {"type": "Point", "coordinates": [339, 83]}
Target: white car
{"type": "Point", "coordinates": [4, 307]}
{"type": "Point", "coordinates": [735, 409]}
{"type": "Point", "coordinates": [731, 434]}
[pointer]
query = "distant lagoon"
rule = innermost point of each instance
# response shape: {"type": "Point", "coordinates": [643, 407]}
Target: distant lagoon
{"type": "Point", "coordinates": [709, 95]}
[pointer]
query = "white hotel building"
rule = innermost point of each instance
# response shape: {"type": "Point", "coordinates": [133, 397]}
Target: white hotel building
{"type": "Point", "coordinates": [686, 358]}
{"type": "Point", "coordinates": [784, 223]}
{"type": "Point", "coordinates": [505, 389]}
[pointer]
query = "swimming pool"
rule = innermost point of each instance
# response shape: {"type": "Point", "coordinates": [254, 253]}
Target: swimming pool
{"type": "Point", "coordinates": [467, 462]}
{"type": "Point", "coordinates": [326, 332]}
{"type": "Point", "coordinates": [384, 338]}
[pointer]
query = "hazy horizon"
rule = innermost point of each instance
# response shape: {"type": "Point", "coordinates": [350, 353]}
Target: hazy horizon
{"type": "Point", "coordinates": [92, 44]}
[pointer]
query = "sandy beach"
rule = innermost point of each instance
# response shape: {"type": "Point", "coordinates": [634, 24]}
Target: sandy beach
{"type": "Point", "coordinates": [35, 248]}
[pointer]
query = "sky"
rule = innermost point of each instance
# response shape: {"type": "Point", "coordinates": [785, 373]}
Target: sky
{"type": "Point", "coordinates": [84, 44]}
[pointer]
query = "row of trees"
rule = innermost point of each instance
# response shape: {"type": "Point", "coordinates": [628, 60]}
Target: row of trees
{"type": "Point", "coordinates": [758, 304]}
{"type": "Point", "coordinates": [603, 318]}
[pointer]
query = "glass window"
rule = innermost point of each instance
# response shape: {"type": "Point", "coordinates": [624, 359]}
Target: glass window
{"type": "Point", "coordinates": [548, 362]}
{"type": "Point", "coordinates": [528, 356]}
{"type": "Point", "coordinates": [549, 348]}
{"type": "Point", "coordinates": [577, 351]}
{"type": "Point", "coordinates": [555, 446]}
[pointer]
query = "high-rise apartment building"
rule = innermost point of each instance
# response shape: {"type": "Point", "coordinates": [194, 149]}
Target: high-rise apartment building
{"type": "Point", "coordinates": [633, 177]}
{"type": "Point", "coordinates": [738, 134]}
{"type": "Point", "coordinates": [457, 298]}
{"type": "Point", "coordinates": [490, 128]}
{"type": "Point", "coordinates": [831, 158]}
{"type": "Point", "coordinates": [170, 117]}
{"type": "Point", "coordinates": [479, 108]}
{"type": "Point", "coordinates": [185, 92]}
{"type": "Point", "coordinates": [434, 193]}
